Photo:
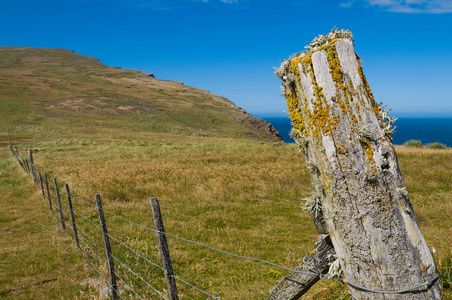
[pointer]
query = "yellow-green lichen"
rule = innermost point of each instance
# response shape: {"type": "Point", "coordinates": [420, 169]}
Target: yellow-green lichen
{"type": "Point", "coordinates": [367, 88]}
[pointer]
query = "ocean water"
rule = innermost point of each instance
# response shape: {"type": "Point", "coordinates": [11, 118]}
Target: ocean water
{"type": "Point", "coordinates": [426, 130]}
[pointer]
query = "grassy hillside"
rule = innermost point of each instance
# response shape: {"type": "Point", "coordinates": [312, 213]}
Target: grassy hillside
{"type": "Point", "coordinates": [220, 181]}
{"type": "Point", "coordinates": [50, 94]}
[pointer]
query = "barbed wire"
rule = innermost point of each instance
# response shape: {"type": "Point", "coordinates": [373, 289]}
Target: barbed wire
{"type": "Point", "coordinates": [85, 218]}
{"type": "Point", "coordinates": [210, 247]}
{"type": "Point", "coordinates": [119, 294]}
{"type": "Point", "coordinates": [140, 255]}
{"type": "Point", "coordinates": [138, 277]}
{"type": "Point", "coordinates": [191, 241]}
{"type": "Point", "coordinates": [63, 204]}
{"type": "Point", "coordinates": [79, 198]}
{"type": "Point", "coordinates": [103, 249]}
{"type": "Point", "coordinates": [87, 235]}
{"type": "Point", "coordinates": [198, 243]}
{"type": "Point", "coordinates": [195, 287]}
{"type": "Point", "coordinates": [154, 264]}
{"type": "Point", "coordinates": [92, 251]}
{"type": "Point", "coordinates": [90, 265]}
{"type": "Point", "coordinates": [388, 292]}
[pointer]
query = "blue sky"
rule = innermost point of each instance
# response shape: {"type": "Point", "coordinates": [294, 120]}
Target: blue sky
{"type": "Point", "coordinates": [230, 47]}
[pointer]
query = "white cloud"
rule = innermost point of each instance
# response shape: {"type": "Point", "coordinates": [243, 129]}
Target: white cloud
{"type": "Point", "coordinates": [346, 4]}
{"type": "Point", "coordinates": [414, 6]}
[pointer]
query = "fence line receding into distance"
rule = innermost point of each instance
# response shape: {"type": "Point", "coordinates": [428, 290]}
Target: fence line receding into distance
{"type": "Point", "coordinates": [90, 256]}
{"type": "Point", "coordinates": [83, 240]}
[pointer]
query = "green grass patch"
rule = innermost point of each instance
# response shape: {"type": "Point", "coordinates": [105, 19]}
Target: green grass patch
{"type": "Point", "coordinates": [436, 146]}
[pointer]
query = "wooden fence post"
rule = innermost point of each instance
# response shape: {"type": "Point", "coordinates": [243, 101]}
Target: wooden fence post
{"type": "Point", "coordinates": [111, 265]}
{"type": "Point", "coordinates": [27, 165]}
{"type": "Point", "coordinates": [359, 197]}
{"type": "Point", "coordinates": [296, 284]}
{"type": "Point", "coordinates": [48, 192]}
{"type": "Point", "coordinates": [16, 154]}
{"type": "Point", "coordinates": [163, 247]}
{"type": "Point", "coordinates": [63, 224]}
{"type": "Point", "coordinates": [32, 167]}
{"type": "Point", "coordinates": [42, 186]}
{"type": "Point", "coordinates": [74, 227]}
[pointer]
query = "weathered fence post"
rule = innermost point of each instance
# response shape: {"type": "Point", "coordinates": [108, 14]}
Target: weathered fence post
{"type": "Point", "coordinates": [27, 166]}
{"type": "Point", "coordinates": [48, 192]}
{"type": "Point", "coordinates": [32, 167]}
{"type": "Point", "coordinates": [163, 247]}
{"type": "Point", "coordinates": [63, 224]}
{"type": "Point", "coordinates": [359, 197]}
{"type": "Point", "coordinates": [103, 225]}
{"type": "Point", "coordinates": [16, 155]}
{"type": "Point", "coordinates": [74, 227]}
{"type": "Point", "coordinates": [42, 186]}
{"type": "Point", "coordinates": [12, 150]}
{"type": "Point", "coordinates": [296, 283]}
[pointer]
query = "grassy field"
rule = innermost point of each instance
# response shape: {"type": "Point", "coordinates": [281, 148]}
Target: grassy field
{"type": "Point", "coordinates": [219, 178]}
{"type": "Point", "coordinates": [241, 197]}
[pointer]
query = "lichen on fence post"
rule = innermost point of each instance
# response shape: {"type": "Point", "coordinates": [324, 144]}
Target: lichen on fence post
{"type": "Point", "coordinates": [359, 197]}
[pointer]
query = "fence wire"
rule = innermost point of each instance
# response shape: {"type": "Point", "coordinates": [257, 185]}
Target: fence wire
{"type": "Point", "coordinates": [141, 278]}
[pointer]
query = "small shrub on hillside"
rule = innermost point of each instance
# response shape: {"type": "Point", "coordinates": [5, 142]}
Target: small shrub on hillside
{"type": "Point", "coordinates": [413, 143]}
{"type": "Point", "coordinates": [445, 271]}
{"type": "Point", "coordinates": [436, 146]}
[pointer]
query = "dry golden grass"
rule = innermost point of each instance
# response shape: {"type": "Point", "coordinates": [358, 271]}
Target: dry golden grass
{"type": "Point", "coordinates": [244, 198]}
{"type": "Point", "coordinates": [36, 260]}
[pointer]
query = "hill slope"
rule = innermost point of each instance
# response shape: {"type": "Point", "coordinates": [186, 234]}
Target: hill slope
{"type": "Point", "coordinates": [75, 96]}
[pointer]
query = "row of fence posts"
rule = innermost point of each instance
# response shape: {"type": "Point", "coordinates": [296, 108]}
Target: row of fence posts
{"type": "Point", "coordinates": [28, 166]}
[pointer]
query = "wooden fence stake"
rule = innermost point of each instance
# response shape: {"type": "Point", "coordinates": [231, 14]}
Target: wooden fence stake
{"type": "Point", "coordinates": [27, 165]}
{"type": "Point", "coordinates": [296, 284]}
{"type": "Point", "coordinates": [163, 246]}
{"type": "Point", "coordinates": [32, 167]}
{"type": "Point", "coordinates": [103, 224]}
{"type": "Point", "coordinates": [16, 155]}
{"type": "Point", "coordinates": [74, 227]}
{"type": "Point", "coordinates": [42, 186]}
{"type": "Point", "coordinates": [63, 225]}
{"type": "Point", "coordinates": [48, 192]}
